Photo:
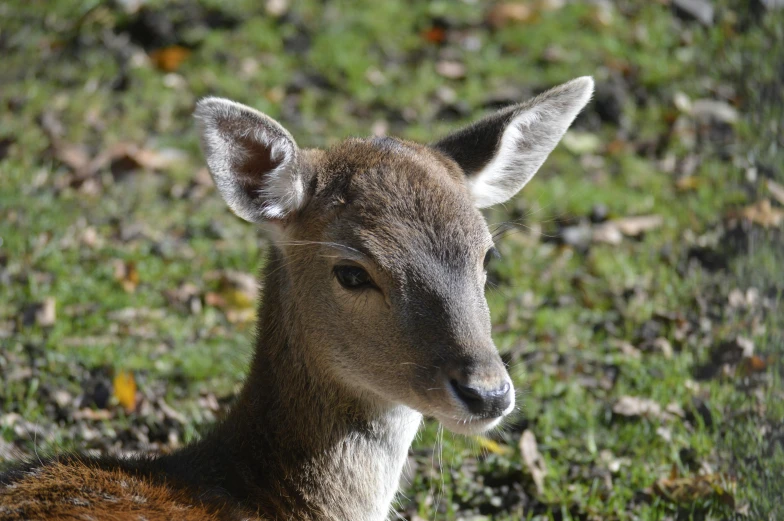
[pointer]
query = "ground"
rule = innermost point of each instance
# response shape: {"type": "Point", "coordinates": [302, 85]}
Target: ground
{"type": "Point", "coordinates": [637, 299]}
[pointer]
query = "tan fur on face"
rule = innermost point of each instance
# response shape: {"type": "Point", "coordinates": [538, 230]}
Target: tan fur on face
{"type": "Point", "coordinates": [408, 210]}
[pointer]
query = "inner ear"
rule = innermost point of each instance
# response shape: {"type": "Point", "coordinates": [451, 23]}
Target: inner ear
{"type": "Point", "coordinates": [253, 160]}
{"type": "Point", "coordinates": [250, 166]}
{"type": "Point", "coordinates": [501, 153]}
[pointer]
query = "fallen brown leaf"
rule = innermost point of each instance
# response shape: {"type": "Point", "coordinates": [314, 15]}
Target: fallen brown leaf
{"type": "Point", "coordinates": [626, 348]}
{"type": "Point", "coordinates": [187, 295]}
{"type": "Point", "coordinates": [533, 459]}
{"type": "Point", "coordinates": [276, 8]}
{"type": "Point", "coordinates": [120, 157]}
{"type": "Point", "coordinates": [170, 58]}
{"type": "Point", "coordinates": [752, 364]}
{"type": "Point", "coordinates": [506, 13]}
{"type": "Point", "coordinates": [126, 274]}
{"type": "Point", "coordinates": [690, 489]}
{"type": "Point", "coordinates": [452, 70]}
{"type": "Point", "coordinates": [74, 157]}
{"type": "Point", "coordinates": [631, 406]}
{"type": "Point", "coordinates": [616, 146]}
{"type": "Point", "coordinates": [92, 414]}
{"type": "Point", "coordinates": [45, 314]}
{"type": "Point", "coordinates": [687, 183]}
{"type": "Point", "coordinates": [434, 35]}
{"type": "Point", "coordinates": [236, 295]}
{"type": "Point", "coordinates": [764, 214]}
{"type": "Point", "coordinates": [125, 390]}
{"type": "Point", "coordinates": [776, 190]}
{"type": "Point", "coordinates": [613, 231]}
{"type": "Point", "coordinates": [634, 226]}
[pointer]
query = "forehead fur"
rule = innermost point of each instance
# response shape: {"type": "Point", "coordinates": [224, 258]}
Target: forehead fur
{"type": "Point", "coordinates": [394, 197]}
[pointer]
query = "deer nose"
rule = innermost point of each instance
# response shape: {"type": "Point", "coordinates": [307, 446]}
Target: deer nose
{"type": "Point", "coordinates": [489, 402]}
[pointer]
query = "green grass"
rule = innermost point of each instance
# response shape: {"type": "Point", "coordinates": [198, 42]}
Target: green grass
{"type": "Point", "coordinates": [559, 312]}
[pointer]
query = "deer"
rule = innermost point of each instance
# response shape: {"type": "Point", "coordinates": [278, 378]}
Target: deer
{"type": "Point", "coordinates": [372, 315]}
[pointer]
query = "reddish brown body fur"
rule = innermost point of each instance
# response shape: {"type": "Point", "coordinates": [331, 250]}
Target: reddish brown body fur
{"type": "Point", "coordinates": [87, 490]}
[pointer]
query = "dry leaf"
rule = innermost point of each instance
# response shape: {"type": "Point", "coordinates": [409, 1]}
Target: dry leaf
{"type": "Point", "coordinates": [740, 299]}
{"type": "Point", "coordinates": [125, 390]}
{"type": "Point", "coordinates": [236, 295]}
{"type": "Point", "coordinates": [126, 274]}
{"type": "Point", "coordinates": [634, 226]}
{"type": "Point", "coordinates": [73, 156]}
{"type": "Point", "coordinates": [606, 233]}
{"type": "Point", "coordinates": [632, 406]}
{"type": "Point", "coordinates": [91, 414]}
{"type": "Point", "coordinates": [752, 364]}
{"type": "Point", "coordinates": [45, 314]}
{"type": "Point", "coordinates": [690, 489]}
{"type": "Point", "coordinates": [510, 12]}
{"type": "Point", "coordinates": [169, 412]}
{"type": "Point", "coordinates": [169, 59]}
{"type": "Point", "coordinates": [533, 459]}
{"type": "Point", "coordinates": [663, 346]}
{"type": "Point", "coordinates": [493, 446]}
{"type": "Point", "coordinates": [121, 157]}
{"type": "Point", "coordinates": [612, 232]}
{"type": "Point", "coordinates": [776, 190]}
{"type": "Point", "coordinates": [214, 299]}
{"type": "Point", "coordinates": [434, 35]}
{"type": "Point", "coordinates": [714, 110]}
{"type": "Point", "coordinates": [187, 295]}
{"type": "Point", "coordinates": [276, 8]}
{"type": "Point", "coordinates": [626, 348]}
{"type": "Point", "coordinates": [616, 146]}
{"type": "Point", "coordinates": [764, 214]}
{"type": "Point", "coordinates": [451, 69]}
{"type": "Point", "coordinates": [687, 183]}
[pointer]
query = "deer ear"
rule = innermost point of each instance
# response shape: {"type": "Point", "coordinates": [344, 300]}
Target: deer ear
{"type": "Point", "coordinates": [253, 160]}
{"type": "Point", "coordinates": [501, 153]}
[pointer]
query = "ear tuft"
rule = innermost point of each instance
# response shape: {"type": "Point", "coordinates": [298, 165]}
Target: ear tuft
{"type": "Point", "coordinates": [252, 158]}
{"type": "Point", "coordinates": [503, 151]}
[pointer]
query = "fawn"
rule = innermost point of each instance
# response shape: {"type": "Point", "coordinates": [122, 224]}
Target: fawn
{"type": "Point", "coordinates": [373, 314]}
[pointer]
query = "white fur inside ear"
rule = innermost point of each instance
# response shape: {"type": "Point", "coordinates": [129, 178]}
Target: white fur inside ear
{"type": "Point", "coordinates": [283, 191]}
{"type": "Point", "coordinates": [252, 158]}
{"type": "Point", "coordinates": [529, 137]}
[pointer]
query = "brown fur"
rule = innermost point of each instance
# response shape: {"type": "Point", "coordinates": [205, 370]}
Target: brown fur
{"type": "Point", "coordinates": [85, 490]}
{"type": "Point", "coordinates": [340, 377]}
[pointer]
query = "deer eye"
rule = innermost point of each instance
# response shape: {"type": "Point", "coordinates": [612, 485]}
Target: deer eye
{"type": "Point", "coordinates": [491, 254]}
{"type": "Point", "coordinates": [353, 277]}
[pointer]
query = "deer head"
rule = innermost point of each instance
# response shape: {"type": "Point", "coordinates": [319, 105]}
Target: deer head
{"type": "Point", "coordinates": [384, 248]}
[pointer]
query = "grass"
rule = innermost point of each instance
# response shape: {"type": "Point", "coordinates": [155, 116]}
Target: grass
{"type": "Point", "coordinates": [332, 70]}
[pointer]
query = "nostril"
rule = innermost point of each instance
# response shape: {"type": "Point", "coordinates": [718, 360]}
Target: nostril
{"type": "Point", "coordinates": [483, 401]}
{"type": "Point", "coordinates": [467, 393]}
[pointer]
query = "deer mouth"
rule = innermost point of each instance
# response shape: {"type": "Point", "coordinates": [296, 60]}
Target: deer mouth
{"type": "Point", "coordinates": [469, 425]}
{"type": "Point", "coordinates": [466, 414]}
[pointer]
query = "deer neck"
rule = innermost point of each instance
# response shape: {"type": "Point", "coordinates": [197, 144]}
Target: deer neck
{"type": "Point", "coordinates": [300, 443]}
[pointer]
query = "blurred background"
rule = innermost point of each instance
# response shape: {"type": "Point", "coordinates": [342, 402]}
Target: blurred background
{"type": "Point", "coordinates": [637, 300]}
